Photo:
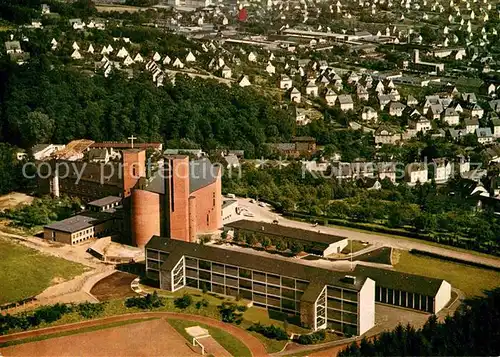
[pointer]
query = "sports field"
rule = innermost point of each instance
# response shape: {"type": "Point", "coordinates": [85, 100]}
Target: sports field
{"type": "Point", "coordinates": [25, 272]}
{"type": "Point", "coordinates": [148, 338]}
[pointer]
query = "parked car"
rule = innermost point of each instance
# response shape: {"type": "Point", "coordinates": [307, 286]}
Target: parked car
{"type": "Point", "coordinates": [262, 204]}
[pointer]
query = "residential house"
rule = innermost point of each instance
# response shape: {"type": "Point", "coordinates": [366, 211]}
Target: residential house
{"type": "Point", "coordinates": [496, 127]}
{"type": "Point", "coordinates": [295, 95]}
{"type": "Point", "coordinates": [416, 172]}
{"type": "Point", "coordinates": [13, 47]}
{"type": "Point", "coordinates": [476, 111]}
{"type": "Point", "coordinates": [387, 170]}
{"type": "Point", "coordinates": [379, 88]}
{"type": "Point", "coordinates": [312, 89]}
{"type": "Point", "coordinates": [43, 151]}
{"type": "Point", "coordinates": [345, 102]}
{"type": "Point", "coordinates": [330, 97]}
{"type": "Point", "coordinates": [252, 57]}
{"type": "Point", "coordinates": [270, 68]}
{"type": "Point", "coordinates": [469, 98]}
{"type": "Point", "coordinates": [45, 9]}
{"type": "Point", "coordinates": [301, 117]}
{"type": "Point", "coordinates": [411, 101]}
{"type": "Point", "coordinates": [396, 109]}
{"type": "Point", "coordinates": [226, 72]}
{"type": "Point", "coordinates": [362, 93]}
{"type": "Point", "coordinates": [369, 114]}
{"type": "Point", "coordinates": [76, 55]}
{"type": "Point", "coordinates": [122, 53]}
{"type": "Point", "coordinates": [285, 82]}
{"type": "Point", "coordinates": [457, 134]}
{"type": "Point", "coordinates": [128, 61]}
{"type": "Point", "coordinates": [190, 57]}
{"type": "Point", "coordinates": [178, 63]}
{"type": "Point", "coordinates": [451, 117]}
{"type": "Point", "coordinates": [484, 135]}
{"type": "Point", "coordinates": [244, 81]}
{"type": "Point", "coordinates": [443, 170]}
{"type": "Point", "coordinates": [77, 24]}
{"type": "Point", "coordinates": [434, 111]}
{"type": "Point", "coordinates": [232, 161]}
{"type": "Point", "coordinates": [304, 144]}
{"type": "Point", "coordinates": [383, 100]}
{"type": "Point", "coordinates": [471, 125]}
{"type": "Point", "coordinates": [386, 135]}
{"type": "Point", "coordinates": [495, 105]}
{"type": "Point", "coordinates": [420, 124]}
{"type": "Point", "coordinates": [394, 94]}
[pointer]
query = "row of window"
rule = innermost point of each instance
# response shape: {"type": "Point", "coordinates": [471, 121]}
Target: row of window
{"type": "Point", "coordinates": [244, 283]}
{"type": "Point", "coordinates": [157, 255]}
{"type": "Point", "coordinates": [343, 294]}
{"type": "Point", "coordinates": [83, 232]}
{"type": "Point", "coordinates": [404, 299]}
{"type": "Point", "coordinates": [346, 328]}
{"type": "Point", "coordinates": [76, 241]}
{"type": "Point", "coordinates": [262, 299]}
{"type": "Point", "coordinates": [343, 305]}
{"type": "Point", "coordinates": [246, 273]}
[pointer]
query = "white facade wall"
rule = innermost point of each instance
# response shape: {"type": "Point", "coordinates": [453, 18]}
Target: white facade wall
{"type": "Point", "coordinates": [366, 306]}
{"type": "Point", "coordinates": [442, 297]}
{"type": "Point", "coordinates": [336, 247]}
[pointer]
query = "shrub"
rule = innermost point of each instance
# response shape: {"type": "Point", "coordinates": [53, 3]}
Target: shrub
{"type": "Point", "coordinates": [201, 303]}
{"type": "Point", "coordinates": [150, 301]}
{"type": "Point", "coordinates": [229, 313]}
{"type": "Point", "coordinates": [183, 302]}
{"type": "Point", "coordinates": [271, 331]}
{"type": "Point", "coordinates": [312, 338]}
{"type": "Point", "coordinates": [242, 308]}
{"type": "Point", "coordinates": [89, 310]}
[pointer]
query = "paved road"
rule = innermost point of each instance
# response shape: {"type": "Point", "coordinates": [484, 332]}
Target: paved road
{"type": "Point", "coordinates": [254, 345]}
{"type": "Point", "coordinates": [264, 214]}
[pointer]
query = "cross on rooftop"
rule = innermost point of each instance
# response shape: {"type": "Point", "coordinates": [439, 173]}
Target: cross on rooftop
{"type": "Point", "coordinates": [132, 138]}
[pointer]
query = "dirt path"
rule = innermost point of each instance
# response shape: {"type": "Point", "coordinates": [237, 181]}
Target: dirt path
{"type": "Point", "coordinates": [264, 214]}
{"type": "Point", "coordinates": [253, 344]}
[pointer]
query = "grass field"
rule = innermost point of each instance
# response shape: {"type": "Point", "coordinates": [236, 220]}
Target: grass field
{"type": "Point", "coordinates": [471, 280]}
{"type": "Point", "coordinates": [234, 346]}
{"type": "Point", "coordinates": [354, 246]}
{"type": "Point", "coordinates": [74, 332]}
{"type": "Point", "coordinates": [24, 272]}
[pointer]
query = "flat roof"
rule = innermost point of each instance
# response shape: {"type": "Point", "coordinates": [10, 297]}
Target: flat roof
{"type": "Point", "coordinates": [101, 202]}
{"type": "Point", "coordinates": [284, 231]}
{"type": "Point", "coordinates": [288, 268]}
{"type": "Point", "coordinates": [79, 222]}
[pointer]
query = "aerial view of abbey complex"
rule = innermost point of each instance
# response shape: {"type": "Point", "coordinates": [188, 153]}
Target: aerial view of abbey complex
{"type": "Point", "coordinates": [248, 178]}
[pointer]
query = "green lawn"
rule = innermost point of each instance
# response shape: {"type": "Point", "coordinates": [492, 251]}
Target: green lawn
{"type": "Point", "coordinates": [234, 346]}
{"type": "Point", "coordinates": [471, 280]}
{"type": "Point", "coordinates": [25, 272]}
{"type": "Point", "coordinates": [74, 332]}
{"type": "Point", "coordinates": [354, 246]}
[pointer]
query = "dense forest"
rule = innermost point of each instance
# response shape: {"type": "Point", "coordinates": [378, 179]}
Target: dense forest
{"type": "Point", "coordinates": [45, 105]}
{"type": "Point", "coordinates": [474, 330]}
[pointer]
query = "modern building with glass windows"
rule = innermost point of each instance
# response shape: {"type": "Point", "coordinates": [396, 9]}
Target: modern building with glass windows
{"type": "Point", "coordinates": [322, 298]}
